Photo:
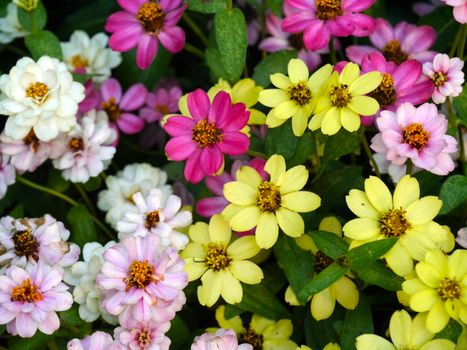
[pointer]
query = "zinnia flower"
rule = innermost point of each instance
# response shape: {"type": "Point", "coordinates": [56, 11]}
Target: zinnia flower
{"type": "Point", "coordinates": [220, 264]}
{"type": "Point", "coordinates": [96, 341]}
{"type": "Point", "coordinates": [460, 9]}
{"type": "Point", "coordinates": [461, 238]}
{"type": "Point", "coordinates": [206, 133]}
{"type": "Point", "coordinates": [268, 205]}
{"type": "Point", "coordinates": [7, 175]}
{"type": "Point", "coordinates": [144, 23]}
{"type": "Point", "coordinates": [10, 28]}
{"type": "Point", "coordinates": [404, 215]}
{"type": "Point", "coordinates": [221, 339]}
{"type": "Point", "coordinates": [164, 100]}
{"type": "Point", "coordinates": [142, 335]}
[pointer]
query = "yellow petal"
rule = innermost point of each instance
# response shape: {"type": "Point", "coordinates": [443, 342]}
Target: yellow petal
{"type": "Point", "coordinates": [267, 230]}
{"type": "Point", "coordinates": [349, 119]}
{"type": "Point", "coordinates": [300, 121]}
{"type": "Point", "coordinates": [323, 104]}
{"type": "Point", "coordinates": [210, 290]}
{"type": "Point", "coordinates": [424, 300]}
{"type": "Point", "coordinates": [316, 120]}
{"type": "Point", "coordinates": [322, 305]}
{"type": "Point", "coordinates": [399, 260]}
{"type": "Point", "coordinates": [285, 110]}
{"type": "Point", "coordinates": [331, 122]}
{"type": "Point", "coordinates": [231, 210]}
{"type": "Point", "coordinates": [256, 117]}
{"type": "Point", "coordinates": [240, 193]}
{"type": "Point", "coordinates": [358, 203]}
{"type": "Point", "coordinates": [199, 233]}
{"type": "Point", "coordinates": [400, 328]}
{"type": "Point", "coordinates": [361, 229]}
{"type": "Point", "coordinates": [365, 83]}
{"type": "Point", "coordinates": [282, 329]}
{"type": "Point", "coordinates": [290, 297]}
{"type": "Point", "coordinates": [378, 194]}
{"type": "Point", "coordinates": [259, 323]}
{"type": "Point", "coordinates": [302, 201]}
{"type": "Point", "coordinates": [412, 286]}
{"type": "Point", "coordinates": [272, 97]}
{"type": "Point", "coordinates": [428, 274]}
{"type": "Point", "coordinates": [298, 71]}
{"type": "Point", "coordinates": [458, 264]}
{"type": "Point", "coordinates": [331, 224]}
{"type": "Point", "coordinates": [282, 344]}
{"type": "Point", "coordinates": [194, 269]}
{"type": "Point", "coordinates": [305, 242]}
{"type": "Point", "coordinates": [243, 248]}
{"type": "Point", "coordinates": [231, 291]}
{"type": "Point", "coordinates": [438, 260]}
{"type": "Point", "coordinates": [193, 250]}
{"type": "Point", "coordinates": [437, 318]}
{"type": "Point", "coordinates": [346, 293]}
{"type": "Point", "coordinates": [319, 78]}
{"type": "Point", "coordinates": [234, 323]}
{"type": "Point", "coordinates": [437, 344]}
{"type": "Point", "coordinates": [272, 121]}
{"type": "Point", "coordinates": [290, 222]}
{"type": "Point", "coordinates": [246, 271]}
{"type": "Point", "coordinates": [363, 105]}
{"type": "Point", "coordinates": [407, 191]}
{"type": "Point", "coordinates": [246, 91]}
{"type": "Point", "coordinates": [423, 210]}
{"type": "Point", "coordinates": [219, 229]}
{"type": "Point", "coordinates": [294, 179]}
{"type": "Point", "coordinates": [373, 342]}
{"type": "Point", "coordinates": [349, 74]}
{"type": "Point", "coordinates": [280, 80]}
{"type": "Point", "coordinates": [249, 176]}
{"type": "Point", "coordinates": [245, 219]}
{"type": "Point", "coordinates": [275, 166]}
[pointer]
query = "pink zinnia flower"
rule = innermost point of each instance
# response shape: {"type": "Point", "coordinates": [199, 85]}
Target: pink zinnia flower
{"type": "Point", "coordinates": [164, 100]}
{"type": "Point", "coordinates": [91, 99]}
{"type": "Point", "coordinates": [7, 174]}
{"type": "Point", "coordinates": [96, 341]}
{"type": "Point", "coordinates": [138, 335]}
{"type": "Point", "coordinates": [210, 130]}
{"type": "Point", "coordinates": [418, 134]}
{"type": "Point", "coordinates": [321, 20]}
{"type": "Point", "coordinates": [140, 281]}
{"type": "Point", "coordinates": [460, 9]}
{"type": "Point", "coordinates": [423, 8]}
{"type": "Point", "coordinates": [143, 24]}
{"type": "Point", "coordinates": [29, 299]}
{"type": "Point", "coordinates": [447, 76]}
{"type": "Point", "coordinates": [222, 339]}
{"type": "Point", "coordinates": [398, 44]}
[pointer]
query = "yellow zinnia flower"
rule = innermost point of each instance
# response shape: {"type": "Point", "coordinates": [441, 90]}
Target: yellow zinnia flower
{"type": "Point", "coordinates": [220, 265]}
{"type": "Point", "coordinates": [405, 216]}
{"type": "Point", "coordinates": [405, 334]}
{"type": "Point", "coordinates": [262, 333]}
{"type": "Point", "coordinates": [245, 91]}
{"type": "Point", "coordinates": [343, 101]}
{"type": "Point", "coordinates": [267, 205]}
{"type": "Point", "coordinates": [440, 288]}
{"type": "Point", "coordinates": [296, 95]}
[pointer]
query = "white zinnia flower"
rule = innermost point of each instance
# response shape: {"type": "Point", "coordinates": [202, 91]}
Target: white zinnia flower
{"type": "Point", "coordinates": [117, 200]}
{"type": "Point", "coordinates": [41, 96]}
{"type": "Point", "coordinates": [89, 148]}
{"type": "Point", "coordinates": [85, 55]}
{"type": "Point", "coordinates": [155, 217]}
{"type": "Point", "coordinates": [10, 28]}
{"type": "Point", "coordinates": [7, 174]}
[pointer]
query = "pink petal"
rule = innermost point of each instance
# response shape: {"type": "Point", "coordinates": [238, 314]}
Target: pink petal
{"type": "Point", "coordinates": [297, 22]}
{"type": "Point", "coordinates": [316, 36]}
{"type": "Point", "coordinates": [417, 94]}
{"type": "Point", "coordinates": [273, 25]}
{"type": "Point", "coordinates": [211, 159]}
{"type": "Point", "coordinates": [198, 104]}
{"type": "Point", "coordinates": [146, 51]}
{"type": "Point", "coordinates": [25, 326]}
{"type": "Point", "coordinates": [407, 74]}
{"type": "Point", "coordinates": [375, 61]}
{"type": "Point", "coordinates": [193, 172]}
{"type": "Point", "coordinates": [220, 109]}
{"type": "Point", "coordinates": [383, 33]}
{"type": "Point", "coordinates": [126, 38]}
{"type": "Point", "coordinates": [169, 5]}
{"type": "Point", "coordinates": [363, 25]}
{"type": "Point", "coordinates": [215, 184]}
{"type": "Point", "coordinates": [207, 207]}
{"type": "Point", "coordinates": [234, 143]}
{"type": "Point", "coordinates": [236, 119]}
{"type": "Point", "coordinates": [130, 123]}
{"type": "Point", "coordinates": [172, 38]}
{"type": "Point", "coordinates": [181, 147]}
{"type": "Point", "coordinates": [356, 53]}
{"type": "Point", "coordinates": [273, 44]}
{"type": "Point", "coordinates": [357, 5]}
{"type": "Point", "coordinates": [118, 20]}
{"type": "Point", "coordinates": [134, 98]}
{"type": "Point", "coordinates": [131, 5]}
{"type": "Point", "coordinates": [172, 17]}
{"type": "Point", "coordinates": [111, 89]}
{"type": "Point", "coordinates": [150, 114]}
{"type": "Point", "coordinates": [419, 39]}
{"type": "Point", "coordinates": [460, 13]}
{"type": "Point", "coordinates": [178, 125]}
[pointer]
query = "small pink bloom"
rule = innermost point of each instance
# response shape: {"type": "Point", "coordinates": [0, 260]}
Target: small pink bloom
{"type": "Point", "coordinates": [203, 137]}
{"type": "Point", "coordinates": [398, 44]}
{"type": "Point", "coordinates": [96, 341]}
{"type": "Point", "coordinates": [418, 134]}
{"type": "Point", "coordinates": [460, 9]}
{"type": "Point", "coordinates": [7, 174]}
{"type": "Point", "coordinates": [29, 299]}
{"type": "Point", "coordinates": [91, 99]}
{"type": "Point", "coordinates": [140, 335]}
{"type": "Point", "coordinates": [447, 76]}
{"type": "Point", "coordinates": [423, 8]}
{"type": "Point", "coordinates": [223, 340]}
{"type": "Point", "coordinates": [144, 23]}
{"type": "Point", "coordinates": [164, 100]}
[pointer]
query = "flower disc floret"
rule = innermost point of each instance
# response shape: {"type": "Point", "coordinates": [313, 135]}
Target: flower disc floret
{"type": "Point", "coordinates": [151, 16]}
{"type": "Point", "coordinates": [328, 9]}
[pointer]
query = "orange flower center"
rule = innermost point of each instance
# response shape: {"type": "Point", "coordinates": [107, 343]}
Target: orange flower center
{"type": "Point", "coordinates": [26, 292]}
{"type": "Point", "coordinates": [78, 62]}
{"type": "Point", "coordinates": [216, 257]}
{"type": "Point", "coordinates": [151, 17]}
{"type": "Point", "coordinates": [394, 223]}
{"type": "Point", "coordinates": [339, 95]}
{"type": "Point", "coordinates": [38, 92]}
{"type": "Point", "coordinates": [393, 52]}
{"type": "Point", "coordinates": [25, 243]}
{"type": "Point", "coordinates": [253, 338]}
{"type": "Point", "coordinates": [439, 78]}
{"type": "Point", "coordinates": [416, 136]}
{"type": "Point", "coordinates": [141, 274]}
{"type": "Point", "coordinates": [449, 289]}
{"type": "Point", "coordinates": [111, 108]}
{"type": "Point", "coordinates": [205, 134]}
{"type": "Point", "coordinates": [268, 197]}
{"type": "Point", "coordinates": [322, 261]}
{"type": "Point", "coordinates": [31, 139]}
{"type": "Point", "coordinates": [328, 9]}
{"type": "Point", "coordinates": [385, 93]}
{"type": "Point", "coordinates": [144, 338]}
{"type": "Point", "coordinates": [152, 219]}
{"type": "Point", "coordinates": [163, 109]}
{"type": "Point", "coordinates": [300, 93]}
{"type": "Point", "coordinates": [76, 144]}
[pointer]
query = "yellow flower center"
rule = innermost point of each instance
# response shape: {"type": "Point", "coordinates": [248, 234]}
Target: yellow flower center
{"type": "Point", "coordinates": [253, 338]}
{"type": "Point", "coordinates": [217, 258]}
{"type": "Point", "coordinates": [393, 52]}
{"type": "Point", "coordinates": [78, 62]}
{"type": "Point", "coordinates": [31, 139]}
{"type": "Point", "coordinates": [328, 9]}
{"type": "Point", "coordinates": [163, 109]}
{"type": "Point", "coordinates": [339, 95]}
{"type": "Point", "coordinates": [144, 338]}
{"type": "Point", "coordinates": [439, 78]}
{"type": "Point", "coordinates": [111, 108]}
{"type": "Point", "coordinates": [141, 274]}
{"type": "Point", "coordinates": [300, 93]}
{"type": "Point", "coordinates": [26, 292]}
{"type": "Point", "coordinates": [322, 261]}
{"type": "Point", "coordinates": [152, 219]}
{"type": "Point", "coordinates": [151, 17]}
{"type": "Point", "coordinates": [268, 197]}
{"type": "Point", "coordinates": [385, 93]}
{"type": "Point", "coordinates": [25, 243]}
{"type": "Point", "coordinates": [76, 144]}
{"type": "Point", "coordinates": [38, 92]}
{"type": "Point", "coordinates": [205, 134]}
{"type": "Point", "coordinates": [449, 289]}
{"type": "Point", "coordinates": [394, 223]}
{"type": "Point", "coordinates": [415, 135]}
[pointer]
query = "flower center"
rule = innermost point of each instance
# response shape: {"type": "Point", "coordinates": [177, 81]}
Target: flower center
{"type": "Point", "coordinates": [38, 92]}
{"type": "Point", "coordinates": [205, 134]}
{"type": "Point", "coordinates": [31, 140]}
{"type": "Point", "coordinates": [439, 78]}
{"type": "Point", "coordinates": [111, 108]}
{"type": "Point", "coordinates": [328, 9]}
{"type": "Point", "coordinates": [141, 274]}
{"type": "Point", "coordinates": [393, 52]}
{"type": "Point", "coordinates": [163, 109]}
{"type": "Point", "coordinates": [217, 257]}
{"type": "Point", "coordinates": [449, 289]}
{"type": "Point", "coordinates": [416, 136]}
{"type": "Point", "coordinates": [27, 291]}
{"type": "Point", "coordinates": [385, 93]}
{"type": "Point", "coordinates": [25, 243]}
{"type": "Point", "coordinates": [151, 17]}
{"type": "Point", "coordinates": [152, 219]}
{"type": "Point", "coordinates": [339, 95]}
{"type": "Point", "coordinates": [78, 62]}
{"type": "Point", "coordinates": [253, 338]}
{"type": "Point", "coordinates": [300, 93]}
{"type": "Point", "coordinates": [322, 261]}
{"type": "Point", "coordinates": [76, 144]}
{"type": "Point", "coordinates": [394, 223]}
{"type": "Point", "coordinates": [268, 197]}
{"type": "Point", "coordinates": [144, 338]}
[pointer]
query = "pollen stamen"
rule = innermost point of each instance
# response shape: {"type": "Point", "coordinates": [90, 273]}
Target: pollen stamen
{"type": "Point", "coordinates": [151, 17]}
{"type": "Point", "coordinates": [26, 292]}
{"type": "Point", "coordinates": [416, 136]}
{"type": "Point", "coordinates": [394, 223]}
{"type": "Point", "coordinates": [140, 275]}
{"type": "Point", "coordinates": [206, 134]}
{"type": "Point", "coordinates": [217, 258]}
{"type": "Point", "coordinates": [300, 93]}
{"type": "Point", "coordinates": [340, 96]}
{"type": "Point", "coordinates": [385, 93]}
{"type": "Point", "coordinates": [328, 9]}
{"type": "Point", "coordinates": [38, 92]}
{"type": "Point", "coordinates": [268, 197]}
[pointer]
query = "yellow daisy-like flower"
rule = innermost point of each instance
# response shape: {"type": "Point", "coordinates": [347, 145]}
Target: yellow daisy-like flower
{"type": "Point", "coordinates": [330, 346]}
{"type": "Point", "coordinates": [261, 333]}
{"type": "Point", "coordinates": [296, 96]}
{"type": "Point", "coordinates": [220, 264]}
{"type": "Point", "coordinates": [440, 288]}
{"type": "Point", "coordinates": [405, 334]}
{"type": "Point", "coordinates": [343, 101]}
{"type": "Point", "coordinates": [245, 91]}
{"type": "Point", "coordinates": [405, 216]}
{"type": "Point", "coordinates": [268, 205]}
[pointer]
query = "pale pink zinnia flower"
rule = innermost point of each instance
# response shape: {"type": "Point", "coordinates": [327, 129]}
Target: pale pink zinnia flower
{"type": "Point", "coordinates": [210, 130]}
{"type": "Point", "coordinates": [143, 24]}
{"type": "Point", "coordinates": [461, 238]}
{"type": "Point", "coordinates": [29, 299]}
{"type": "Point", "coordinates": [460, 9]}
{"type": "Point", "coordinates": [140, 281]}
{"type": "Point", "coordinates": [398, 44]}
{"type": "Point", "coordinates": [27, 241]}
{"type": "Point", "coordinates": [164, 100]}
{"type": "Point", "coordinates": [7, 174]}
{"type": "Point", "coordinates": [143, 335]}
{"type": "Point", "coordinates": [447, 76]}
{"type": "Point", "coordinates": [424, 8]}
{"type": "Point", "coordinates": [321, 20]}
{"type": "Point", "coordinates": [96, 341]}
{"type": "Point", "coordinates": [221, 339]}
{"type": "Point", "coordinates": [418, 134]}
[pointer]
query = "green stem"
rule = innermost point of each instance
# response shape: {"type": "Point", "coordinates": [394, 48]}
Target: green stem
{"type": "Point", "coordinates": [455, 42]}
{"type": "Point", "coordinates": [409, 165]}
{"type": "Point", "coordinates": [367, 149]}
{"type": "Point", "coordinates": [332, 52]}
{"type": "Point", "coordinates": [85, 197]}
{"type": "Point", "coordinates": [460, 135]}
{"type": "Point", "coordinates": [257, 154]}
{"type": "Point", "coordinates": [461, 44]}
{"type": "Point", "coordinates": [199, 33]}
{"type": "Point", "coordinates": [229, 4]}
{"type": "Point", "coordinates": [46, 190]}
{"type": "Point", "coordinates": [194, 50]}
{"type": "Point", "coordinates": [52, 345]}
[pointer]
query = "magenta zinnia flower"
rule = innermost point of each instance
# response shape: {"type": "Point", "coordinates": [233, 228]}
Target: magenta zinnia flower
{"type": "Point", "coordinates": [203, 137]}
{"type": "Point", "coordinates": [143, 24]}
{"type": "Point", "coordinates": [418, 134]}
{"type": "Point", "coordinates": [321, 20]}
{"type": "Point", "coordinates": [398, 44]}
{"type": "Point", "coordinates": [29, 299]}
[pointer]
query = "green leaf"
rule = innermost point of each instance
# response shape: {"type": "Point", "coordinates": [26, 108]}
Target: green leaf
{"type": "Point", "coordinates": [43, 43]}
{"type": "Point", "coordinates": [451, 332]}
{"type": "Point", "coordinates": [297, 264]}
{"type": "Point", "coordinates": [305, 147]}
{"type": "Point", "coordinates": [37, 342]}
{"type": "Point", "coordinates": [93, 184]}
{"type": "Point", "coordinates": [56, 181]}
{"type": "Point", "coordinates": [274, 278]}
{"type": "Point", "coordinates": [341, 144]}
{"type": "Point", "coordinates": [281, 141]}
{"type": "Point", "coordinates": [179, 334]}
{"type": "Point", "coordinates": [206, 6]}
{"type": "Point", "coordinates": [356, 322]}
{"type": "Point", "coordinates": [320, 333]}
{"type": "Point", "coordinates": [71, 316]}
{"type": "Point", "coordinates": [453, 193]}
{"type": "Point", "coordinates": [460, 104]}
{"type": "Point", "coordinates": [3, 6]}
{"type": "Point", "coordinates": [35, 20]}
{"type": "Point", "coordinates": [212, 55]}
{"type": "Point", "coordinates": [17, 212]}
{"type": "Point", "coordinates": [329, 243]}
{"type": "Point", "coordinates": [380, 275]}
{"type": "Point", "coordinates": [274, 63]}
{"type": "Point", "coordinates": [232, 41]}
{"type": "Point", "coordinates": [361, 257]}
{"type": "Point", "coordinates": [323, 280]}
{"type": "Point", "coordinates": [81, 78]}
{"type": "Point", "coordinates": [81, 225]}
